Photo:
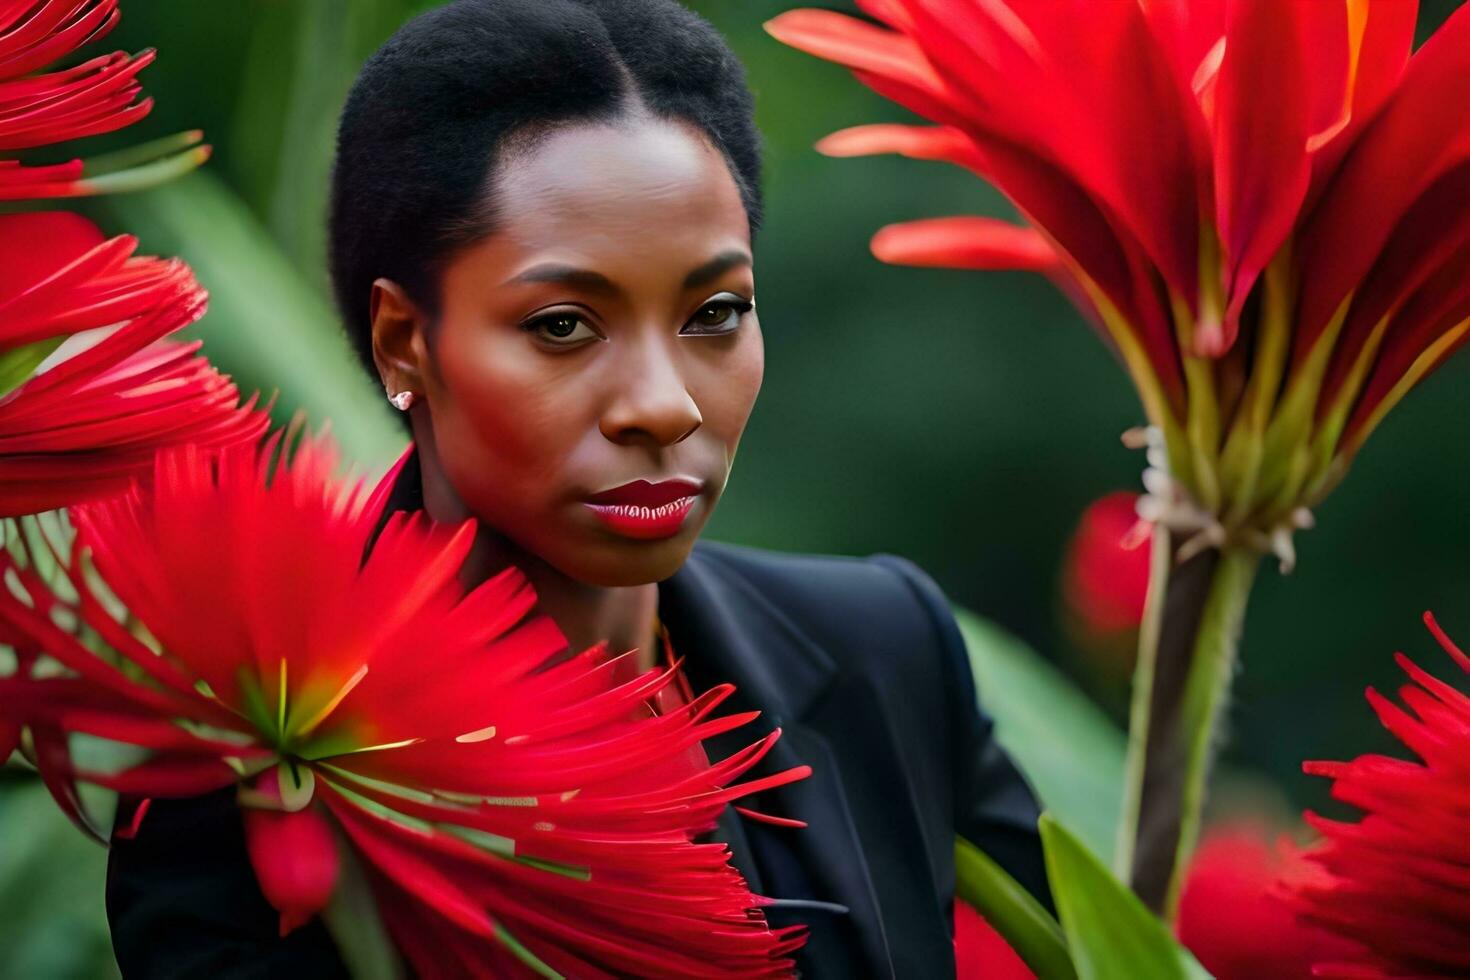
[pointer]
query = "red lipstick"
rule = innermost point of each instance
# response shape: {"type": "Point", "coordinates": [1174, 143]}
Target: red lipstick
{"type": "Point", "coordinates": [646, 510]}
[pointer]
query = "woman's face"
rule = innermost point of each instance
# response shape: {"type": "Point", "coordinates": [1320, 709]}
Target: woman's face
{"type": "Point", "coordinates": [585, 387]}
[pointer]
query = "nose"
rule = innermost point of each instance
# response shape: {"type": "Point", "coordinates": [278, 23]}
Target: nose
{"type": "Point", "coordinates": [652, 405]}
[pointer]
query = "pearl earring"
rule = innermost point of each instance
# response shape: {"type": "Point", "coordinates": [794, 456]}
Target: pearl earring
{"type": "Point", "coordinates": [402, 400]}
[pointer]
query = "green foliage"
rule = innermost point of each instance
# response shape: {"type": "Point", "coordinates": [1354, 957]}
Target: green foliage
{"type": "Point", "coordinates": [18, 364]}
{"type": "Point", "coordinates": [1109, 932]}
{"type": "Point", "coordinates": [1072, 755]}
{"type": "Point", "coordinates": [1011, 911]}
{"type": "Point", "coordinates": [357, 927]}
{"type": "Point", "coordinates": [1105, 933]}
{"type": "Point", "coordinates": [52, 922]}
{"type": "Point", "coordinates": [1070, 752]}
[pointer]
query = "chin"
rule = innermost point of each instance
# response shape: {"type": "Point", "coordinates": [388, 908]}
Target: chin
{"type": "Point", "coordinates": [626, 563]}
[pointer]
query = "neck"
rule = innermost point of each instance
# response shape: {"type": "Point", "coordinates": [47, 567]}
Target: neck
{"type": "Point", "coordinates": [586, 614]}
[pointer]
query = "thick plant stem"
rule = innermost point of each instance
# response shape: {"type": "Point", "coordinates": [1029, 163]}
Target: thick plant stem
{"type": "Point", "coordinates": [1186, 662]}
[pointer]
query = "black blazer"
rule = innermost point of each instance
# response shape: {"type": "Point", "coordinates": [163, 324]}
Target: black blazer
{"type": "Point", "coordinates": [859, 661]}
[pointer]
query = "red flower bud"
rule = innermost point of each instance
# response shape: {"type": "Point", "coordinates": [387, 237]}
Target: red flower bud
{"type": "Point", "coordinates": [294, 855]}
{"type": "Point", "coordinates": [1106, 575]}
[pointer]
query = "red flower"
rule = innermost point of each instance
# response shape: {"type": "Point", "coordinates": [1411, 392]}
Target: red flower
{"type": "Point", "coordinates": [1105, 576]}
{"type": "Point", "coordinates": [1263, 205]}
{"type": "Point", "coordinates": [88, 387]}
{"type": "Point", "coordinates": [1231, 915]}
{"type": "Point", "coordinates": [1397, 882]}
{"type": "Point", "coordinates": [512, 806]}
{"type": "Point", "coordinates": [97, 96]}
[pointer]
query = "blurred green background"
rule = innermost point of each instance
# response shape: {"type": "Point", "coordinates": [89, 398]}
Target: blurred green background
{"type": "Point", "coordinates": [961, 419]}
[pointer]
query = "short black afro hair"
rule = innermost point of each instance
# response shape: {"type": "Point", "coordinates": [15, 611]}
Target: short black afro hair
{"type": "Point", "coordinates": [431, 114]}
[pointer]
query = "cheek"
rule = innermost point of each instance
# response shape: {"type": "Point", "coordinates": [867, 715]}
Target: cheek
{"type": "Point", "coordinates": [507, 414]}
{"type": "Point", "coordinates": [734, 383]}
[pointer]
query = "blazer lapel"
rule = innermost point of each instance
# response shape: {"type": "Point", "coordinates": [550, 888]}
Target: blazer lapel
{"type": "Point", "coordinates": [729, 632]}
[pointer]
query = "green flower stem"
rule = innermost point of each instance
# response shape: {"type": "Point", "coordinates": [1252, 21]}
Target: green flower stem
{"type": "Point", "coordinates": [1186, 661]}
{"type": "Point", "coordinates": [1160, 564]}
{"type": "Point", "coordinates": [1211, 675]}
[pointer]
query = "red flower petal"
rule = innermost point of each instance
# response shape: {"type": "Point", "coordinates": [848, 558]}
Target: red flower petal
{"type": "Point", "coordinates": [294, 856]}
{"type": "Point", "coordinates": [1190, 31]}
{"type": "Point", "coordinates": [1427, 329]}
{"type": "Point", "coordinates": [1261, 127]}
{"type": "Point", "coordinates": [97, 96]}
{"type": "Point", "coordinates": [920, 142]}
{"type": "Point", "coordinates": [1418, 136]}
{"type": "Point", "coordinates": [33, 37]}
{"type": "Point", "coordinates": [1427, 238]}
{"type": "Point", "coordinates": [34, 247]}
{"type": "Point", "coordinates": [857, 45]}
{"type": "Point", "coordinates": [1410, 843]}
{"type": "Point", "coordinates": [1354, 80]}
{"type": "Point", "coordinates": [98, 407]}
{"type": "Point", "coordinates": [981, 953]}
{"type": "Point", "coordinates": [621, 925]}
{"type": "Point", "coordinates": [1231, 915]}
{"type": "Point", "coordinates": [1061, 162]}
{"type": "Point", "coordinates": [966, 243]}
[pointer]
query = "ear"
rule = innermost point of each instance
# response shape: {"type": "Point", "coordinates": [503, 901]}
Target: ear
{"type": "Point", "coordinates": [399, 350]}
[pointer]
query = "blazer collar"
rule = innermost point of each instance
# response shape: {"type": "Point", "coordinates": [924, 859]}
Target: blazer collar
{"type": "Point", "coordinates": [731, 632]}
{"type": "Point", "coordinates": [737, 632]}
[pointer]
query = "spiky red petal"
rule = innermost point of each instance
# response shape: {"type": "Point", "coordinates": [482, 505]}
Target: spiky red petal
{"type": "Point", "coordinates": [94, 410]}
{"type": "Point", "coordinates": [1396, 883]}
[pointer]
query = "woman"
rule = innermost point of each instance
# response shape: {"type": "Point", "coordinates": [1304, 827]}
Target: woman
{"type": "Point", "coordinates": [541, 228]}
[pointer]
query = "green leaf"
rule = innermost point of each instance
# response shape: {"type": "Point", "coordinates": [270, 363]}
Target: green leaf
{"type": "Point", "coordinates": [1068, 749]}
{"type": "Point", "coordinates": [352, 917]}
{"type": "Point", "coordinates": [17, 366]}
{"type": "Point", "coordinates": [1109, 932]}
{"type": "Point", "coordinates": [143, 165]}
{"type": "Point", "coordinates": [1011, 911]}
{"type": "Point", "coordinates": [142, 153]}
{"type": "Point", "coordinates": [302, 59]}
{"type": "Point", "coordinates": [145, 175]}
{"type": "Point", "coordinates": [52, 881]}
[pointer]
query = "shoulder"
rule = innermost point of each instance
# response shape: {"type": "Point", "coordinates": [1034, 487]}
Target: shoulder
{"type": "Point", "coordinates": [826, 589]}
{"type": "Point", "coordinates": [877, 613]}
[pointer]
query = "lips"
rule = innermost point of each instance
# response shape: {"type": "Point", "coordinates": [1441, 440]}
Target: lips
{"type": "Point", "coordinates": [641, 509]}
{"type": "Point", "coordinates": [641, 493]}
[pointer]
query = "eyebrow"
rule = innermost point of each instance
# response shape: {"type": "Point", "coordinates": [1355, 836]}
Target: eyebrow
{"type": "Point", "coordinates": [570, 275]}
{"type": "Point", "coordinates": [711, 270]}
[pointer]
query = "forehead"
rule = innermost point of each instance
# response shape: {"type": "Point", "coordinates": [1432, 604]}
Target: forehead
{"type": "Point", "coordinates": [635, 187]}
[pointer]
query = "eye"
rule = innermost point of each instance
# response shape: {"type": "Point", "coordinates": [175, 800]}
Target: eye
{"type": "Point", "coordinates": [564, 329]}
{"type": "Point", "coordinates": [718, 316]}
